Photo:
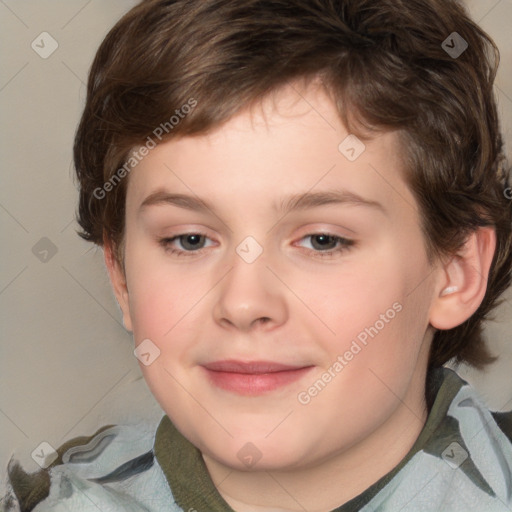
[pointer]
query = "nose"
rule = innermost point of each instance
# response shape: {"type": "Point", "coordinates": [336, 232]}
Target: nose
{"type": "Point", "coordinates": [250, 297]}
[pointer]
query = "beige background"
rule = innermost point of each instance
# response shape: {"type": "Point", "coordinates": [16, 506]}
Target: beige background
{"type": "Point", "coordinates": [67, 364]}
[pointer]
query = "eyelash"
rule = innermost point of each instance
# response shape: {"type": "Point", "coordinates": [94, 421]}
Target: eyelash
{"type": "Point", "coordinates": [345, 245]}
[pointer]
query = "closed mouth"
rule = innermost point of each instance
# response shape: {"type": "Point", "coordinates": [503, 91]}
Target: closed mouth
{"type": "Point", "coordinates": [253, 377]}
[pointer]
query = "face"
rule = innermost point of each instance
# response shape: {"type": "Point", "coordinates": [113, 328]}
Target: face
{"type": "Point", "coordinates": [283, 281]}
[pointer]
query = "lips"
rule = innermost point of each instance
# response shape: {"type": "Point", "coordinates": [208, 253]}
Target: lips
{"type": "Point", "coordinates": [253, 377]}
{"type": "Point", "coordinates": [253, 367]}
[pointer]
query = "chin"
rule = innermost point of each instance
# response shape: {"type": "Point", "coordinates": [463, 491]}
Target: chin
{"type": "Point", "coordinates": [258, 454]}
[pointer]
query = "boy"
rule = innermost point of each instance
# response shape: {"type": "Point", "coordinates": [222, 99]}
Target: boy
{"type": "Point", "coordinates": [304, 212]}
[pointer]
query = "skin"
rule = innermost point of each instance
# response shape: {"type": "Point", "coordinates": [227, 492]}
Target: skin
{"type": "Point", "coordinates": [290, 305]}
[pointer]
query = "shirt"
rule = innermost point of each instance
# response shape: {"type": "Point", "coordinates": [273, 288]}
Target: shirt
{"type": "Point", "coordinates": [461, 461]}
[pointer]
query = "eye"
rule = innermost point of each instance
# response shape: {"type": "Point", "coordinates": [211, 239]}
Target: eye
{"type": "Point", "coordinates": [191, 243]}
{"type": "Point", "coordinates": [328, 245]}
{"type": "Point", "coordinates": [323, 244]}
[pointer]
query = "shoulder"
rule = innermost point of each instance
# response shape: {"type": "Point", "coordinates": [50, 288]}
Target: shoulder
{"type": "Point", "coordinates": [472, 448]}
{"type": "Point", "coordinates": [462, 460]}
{"type": "Point", "coordinates": [118, 455]}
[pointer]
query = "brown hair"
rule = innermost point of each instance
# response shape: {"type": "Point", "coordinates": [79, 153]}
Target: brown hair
{"type": "Point", "coordinates": [386, 62]}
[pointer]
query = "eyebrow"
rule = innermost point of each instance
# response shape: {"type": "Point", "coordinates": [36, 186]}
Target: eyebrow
{"type": "Point", "coordinates": [295, 202]}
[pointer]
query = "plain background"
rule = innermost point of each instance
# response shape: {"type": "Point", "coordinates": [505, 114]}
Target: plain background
{"type": "Point", "coordinates": [67, 363]}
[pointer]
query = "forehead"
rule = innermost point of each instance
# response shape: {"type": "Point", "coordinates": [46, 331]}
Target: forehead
{"type": "Point", "coordinates": [290, 143]}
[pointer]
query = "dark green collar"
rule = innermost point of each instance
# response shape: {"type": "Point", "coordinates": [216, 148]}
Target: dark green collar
{"type": "Point", "coordinates": [186, 471]}
{"type": "Point", "coordinates": [193, 488]}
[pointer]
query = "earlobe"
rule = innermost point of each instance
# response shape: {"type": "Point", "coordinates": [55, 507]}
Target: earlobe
{"type": "Point", "coordinates": [118, 281]}
{"type": "Point", "coordinates": [463, 280]}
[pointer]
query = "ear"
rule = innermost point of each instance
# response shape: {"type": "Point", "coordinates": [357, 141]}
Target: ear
{"type": "Point", "coordinates": [118, 281]}
{"type": "Point", "coordinates": [463, 280]}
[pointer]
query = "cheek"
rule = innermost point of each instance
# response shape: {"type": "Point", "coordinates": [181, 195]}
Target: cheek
{"type": "Point", "coordinates": [379, 309]}
{"type": "Point", "coordinates": [168, 307]}
{"type": "Point", "coordinates": [362, 296]}
{"type": "Point", "coordinates": [158, 295]}
{"type": "Point", "coordinates": [152, 307]}
{"type": "Point", "coordinates": [156, 306]}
